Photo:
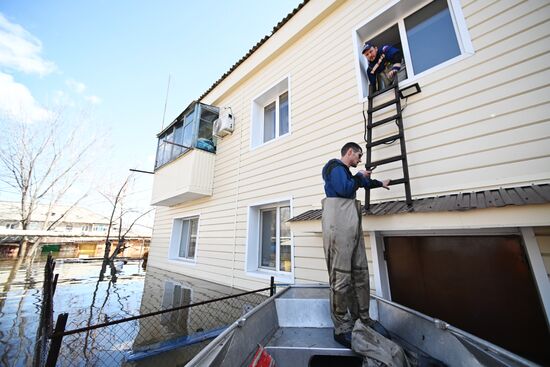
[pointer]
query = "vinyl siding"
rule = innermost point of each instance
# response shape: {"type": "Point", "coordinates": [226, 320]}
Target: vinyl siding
{"type": "Point", "coordinates": [481, 122]}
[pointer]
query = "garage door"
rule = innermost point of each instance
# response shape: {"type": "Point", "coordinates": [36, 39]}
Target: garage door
{"type": "Point", "coordinates": [480, 284]}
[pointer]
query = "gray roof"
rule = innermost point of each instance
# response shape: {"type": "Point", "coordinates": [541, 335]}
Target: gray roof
{"type": "Point", "coordinates": [520, 195]}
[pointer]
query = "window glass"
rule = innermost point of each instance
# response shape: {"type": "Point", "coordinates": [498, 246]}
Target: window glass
{"type": "Point", "coordinates": [283, 113]}
{"type": "Point", "coordinates": [205, 139]}
{"type": "Point", "coordinates": [285, 240]}
{"type": "Point", "coordinates": [268, 238]}
{"type": "Point", "coordinates": [178, 139]}
{"type": "Point", "coordinates": [169, 137]}
{"type": "Point", "coordinates": [188, 129]}
{"type": "Point", "coordinates": [193, 238]}
{"type": "Point", "coordinates": [188, 135]}
{"type": "Point", "coordinates": [206, 122]}
{"type": "Point", "coordinates": [431, 36]}
{"type": "Point", "coordinates": [269, 122]}
{"type": "Point", "coordinates": [160, 152]}
{"type": "Point", "coordinates": [184, 239]}
{"type": "Point", "coordinates": [188, 238]}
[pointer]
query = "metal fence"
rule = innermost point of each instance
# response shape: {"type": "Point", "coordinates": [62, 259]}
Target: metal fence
{"type": "Point", "coordinates": [167, 337]}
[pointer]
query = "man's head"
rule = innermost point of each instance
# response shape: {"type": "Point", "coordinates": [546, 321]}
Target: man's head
{"type": "Point", "coordinates": [369, 51]}
{"type": "Point", "coordinates": [351, 154]}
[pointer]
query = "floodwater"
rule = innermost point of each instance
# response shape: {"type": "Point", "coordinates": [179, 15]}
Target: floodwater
{"type": "Point", "coordinates": [78, 293]}
{"type": "Point", "coordinates": [90, 302]}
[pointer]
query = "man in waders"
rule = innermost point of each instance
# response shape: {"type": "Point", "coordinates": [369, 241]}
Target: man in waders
{"type": "Point", "coordinates": [343, 242]}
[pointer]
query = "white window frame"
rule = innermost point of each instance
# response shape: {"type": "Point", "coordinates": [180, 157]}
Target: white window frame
{"type": "Point", "coordinates": [259, 103]}
{"type": "Point", "coordinates": [252, 257]}
{"type": "Point", "coordinates": [175, 239]}
{"type": "Point", "coordinates": [395, 13]}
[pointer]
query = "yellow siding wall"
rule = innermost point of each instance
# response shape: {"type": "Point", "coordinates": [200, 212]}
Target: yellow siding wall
{"type": "Point", "coordinates": [478, 123]}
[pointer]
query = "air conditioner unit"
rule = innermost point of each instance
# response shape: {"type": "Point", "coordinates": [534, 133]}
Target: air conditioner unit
{"type": "Point", "coordinates": [225, 123]}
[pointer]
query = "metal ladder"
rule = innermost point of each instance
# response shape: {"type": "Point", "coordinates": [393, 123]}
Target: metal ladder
{"type": "Point", "coordinates": [397, 117]}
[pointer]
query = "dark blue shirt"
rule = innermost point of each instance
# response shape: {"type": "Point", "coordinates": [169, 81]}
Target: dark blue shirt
{"type": "Point", "coordinates": [391, 55]}
{"type": "Point", "coordinates": [340, 183]}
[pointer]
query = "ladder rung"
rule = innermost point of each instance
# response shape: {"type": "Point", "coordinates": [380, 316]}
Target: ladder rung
{"type": "Point", "coordinates": [398, 181]}
{"type": "Point", "coordinates": [381, 106]}
{"type": "Point", "coordinates": [386, 161]}
{"type": "Point", "coordinates": [385, 140]}
{"type": "Point", "coordinates": [382, 91]}
{"type": "Point", "coordinates": [383, 121]}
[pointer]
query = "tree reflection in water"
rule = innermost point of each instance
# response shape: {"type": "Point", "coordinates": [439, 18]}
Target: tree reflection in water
{"type": "Point", "coordinates": [79, 293]}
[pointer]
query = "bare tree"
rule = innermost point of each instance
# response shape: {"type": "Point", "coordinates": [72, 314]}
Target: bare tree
{"type": "Point", "coordinates": [41, 162]}
{"type": "Point", "coordinates": [120, 216]}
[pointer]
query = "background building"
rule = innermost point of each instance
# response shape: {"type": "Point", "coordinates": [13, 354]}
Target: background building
{"type": "Point", "coordinates": [78, 232]}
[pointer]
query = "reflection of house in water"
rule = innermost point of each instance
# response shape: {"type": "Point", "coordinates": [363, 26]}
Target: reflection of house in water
{"type": "Point", "coordinates": [76, 232]}
{"type": "Point", "coordinates": [175, 295]}
{"type": "Point", "coordinates": [164, 290]}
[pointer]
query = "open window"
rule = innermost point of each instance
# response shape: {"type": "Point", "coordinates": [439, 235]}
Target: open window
{"type": "Point", "coordinates": [431, 35]}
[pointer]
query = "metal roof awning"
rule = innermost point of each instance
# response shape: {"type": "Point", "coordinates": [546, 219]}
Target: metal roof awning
{"type": "Point", "coordinates": [520, 195]}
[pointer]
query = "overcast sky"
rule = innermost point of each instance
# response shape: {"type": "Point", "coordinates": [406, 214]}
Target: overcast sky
{"type": "Point", "coordinates": [114, 58]}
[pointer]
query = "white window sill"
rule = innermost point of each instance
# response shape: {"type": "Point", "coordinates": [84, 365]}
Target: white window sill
{"type": "Point", "coordinates": [286, 278]}
{"type": "Point", "coordinates": [182, 260]}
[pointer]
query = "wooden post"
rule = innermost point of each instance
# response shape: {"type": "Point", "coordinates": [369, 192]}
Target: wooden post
{"type": "Point", "coordinates": [55, 345]}
{"type": "Point", "coordinates": [273, 288]}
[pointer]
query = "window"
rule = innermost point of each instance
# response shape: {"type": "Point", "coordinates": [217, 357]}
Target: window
{"type": "Point", "coordinates": [192, 129]}
{"type": "Point", "coordinates": [86, 227]}
{"type": "Point", "coordinates": [12, 225]}
{"type": "Point", "coordinates": [269, 243]}
{"type": "Point", "coordinates": [99, 227]}
{"type": "Point", "coordinates": [183, 244]}
{"type": "Point", "coordinates": [271, 114]}
{"type": "Point", "coordinates": [429, 35]}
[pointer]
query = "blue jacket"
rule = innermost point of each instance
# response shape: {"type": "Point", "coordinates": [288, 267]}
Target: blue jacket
{"type": "Point", "coordinates": [391, 55]}
{"type": "Point", "coordinates": [340, 183]}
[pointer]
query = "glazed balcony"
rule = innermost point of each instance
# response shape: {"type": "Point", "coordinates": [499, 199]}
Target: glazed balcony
{"type": "Point", "coordinates": [184, 167]}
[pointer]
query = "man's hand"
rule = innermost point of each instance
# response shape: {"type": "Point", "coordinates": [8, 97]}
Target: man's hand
{"type": "Point", "coordinates": [386, 184]}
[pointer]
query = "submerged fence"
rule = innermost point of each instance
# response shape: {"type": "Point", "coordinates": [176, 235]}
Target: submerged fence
{"type": "Point", "coordinates": [166, 337]}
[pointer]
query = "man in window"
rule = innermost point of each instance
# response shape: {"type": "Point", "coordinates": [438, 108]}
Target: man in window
{"type": "Point", "coordinates": [343, 242]}
{"type": "Point", "coordinates": [383, 64]}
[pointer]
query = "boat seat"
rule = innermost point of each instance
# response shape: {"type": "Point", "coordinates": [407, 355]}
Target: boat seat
{"type": "Point", "coordinates": [305, 328]}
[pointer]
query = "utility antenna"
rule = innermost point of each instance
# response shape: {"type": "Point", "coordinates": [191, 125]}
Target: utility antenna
{"type": "Point", "coordinates": [165, 102]}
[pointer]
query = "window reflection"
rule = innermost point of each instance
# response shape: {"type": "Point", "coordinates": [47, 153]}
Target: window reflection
{"type": "Point", "coordinates": [431, 36]}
